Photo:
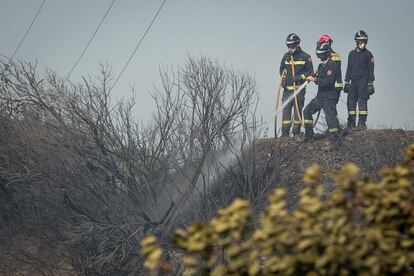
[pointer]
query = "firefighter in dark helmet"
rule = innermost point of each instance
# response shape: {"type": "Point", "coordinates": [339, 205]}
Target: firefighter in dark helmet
{"type": "Point", "coordinates": [296, 65]}
{"type": "Point", "coordinates": [327, 75]}
{"type": "Point", "coordinates": [359, 81]}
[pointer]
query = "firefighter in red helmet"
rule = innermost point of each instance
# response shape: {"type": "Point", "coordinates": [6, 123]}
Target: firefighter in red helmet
{"type": "Point", "coordinates": [327, 97]}
{"type": "Point", "coordinates": [334, 57]}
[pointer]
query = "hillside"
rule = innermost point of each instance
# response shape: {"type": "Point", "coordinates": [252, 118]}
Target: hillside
{"type": "Point", "coordinates": [371, 150]}
{"type": "Point", "coordinates": [363, 227]}
{"type": "Point", "coordinates": [278, 162]}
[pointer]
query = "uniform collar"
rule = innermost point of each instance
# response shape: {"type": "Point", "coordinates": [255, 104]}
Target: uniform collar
{"type": "Point", "coordinates": [297, 52]}
{"type": "Point", "coordinates": [324, 64]}
{"type": "Point", "coordinates": [360, 50]}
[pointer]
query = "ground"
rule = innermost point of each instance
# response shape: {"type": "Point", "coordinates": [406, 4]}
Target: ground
{"type": "Point", "coordinates": [370, 149]}
{"type": "Point", "coordinates": [279, 162]}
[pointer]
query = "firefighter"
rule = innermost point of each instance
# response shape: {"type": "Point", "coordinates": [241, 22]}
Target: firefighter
{"type": "Point", "coordinates": [359, 81]}
{"type": "Point", "coordinates": [337, 59]}
{"type": "Point", "coordinates": [327, 75]}
{"type": "Point", "coordinates": [296, 65]}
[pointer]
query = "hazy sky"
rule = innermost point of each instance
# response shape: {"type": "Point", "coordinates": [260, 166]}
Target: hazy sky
{"type": "Point", "coordinates": [242, 34]}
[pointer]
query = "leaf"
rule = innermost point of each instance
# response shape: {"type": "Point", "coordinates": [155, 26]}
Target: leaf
{"type": "Point", "coordinates": [190, 261]}
{"type": "Point", "coordinates": [303, 244]}
{"type": "Point", "coordinates": [153, 259]}
{"type": "Point", "coordinates": [149, 239]}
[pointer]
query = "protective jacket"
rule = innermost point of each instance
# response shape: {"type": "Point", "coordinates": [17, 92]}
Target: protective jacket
{"type": "Point", "coordinates": [302, 65]}
{"type": "Point", "coordinates": [360, 66]}
{"type": "Point", "coordinates": [328, 75]}
{"type": "Point", "coordinates": [337, 59]}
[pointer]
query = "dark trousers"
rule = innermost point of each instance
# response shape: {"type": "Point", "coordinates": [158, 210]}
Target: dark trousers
{"type": "Point", "coordinates": [358, 95]}
{"type": "Point", "coordinates": [287, 113]}
{"type": "Point", "coordinates": [331, 115]}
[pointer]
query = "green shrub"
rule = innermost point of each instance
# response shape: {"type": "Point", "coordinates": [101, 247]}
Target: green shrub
{"type": "Point", "coordinates": [364, 227]}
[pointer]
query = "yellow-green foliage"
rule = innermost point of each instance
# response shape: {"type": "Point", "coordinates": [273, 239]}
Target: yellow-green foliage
{"type": "Point", "coordinates": [364, 227]}
{"type": "Point", "coordinates": [151, 250]}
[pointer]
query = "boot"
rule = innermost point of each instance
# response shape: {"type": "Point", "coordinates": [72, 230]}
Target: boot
{"type": "Point", "coordinates": [296, 129]}
{"type": "Point", "coordinates": [309, 134]}
{"type": "Point", "coordinates": [351, 122]}
{"type": "Point", "coordinates": [342, 131]}
{"type": "Point", "coordinates": [334, 138]}
{"type": "Point", "coordinates": [361, 125]}
{"type": "Point", "coordinates": [285, 131]}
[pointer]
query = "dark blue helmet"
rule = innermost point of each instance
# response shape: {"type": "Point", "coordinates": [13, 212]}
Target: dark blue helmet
{"type": "Point", "coordinates": [361, 36]}
{"type": "Point", "coordinates": [292, 40]}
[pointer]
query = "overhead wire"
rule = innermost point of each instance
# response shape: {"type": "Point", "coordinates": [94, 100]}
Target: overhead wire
{"type": "Point", "coordinates": [5, 56]}
{"type": "Point", "coordinates": [138, 45]}
{"type": "Point", "coordinates": [28, 30]}
{"type": "Point", "coordinates": [90, 41]}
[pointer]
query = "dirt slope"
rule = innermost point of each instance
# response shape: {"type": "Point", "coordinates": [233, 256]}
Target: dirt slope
{"type": "Point", "coordinates": [287, 159]}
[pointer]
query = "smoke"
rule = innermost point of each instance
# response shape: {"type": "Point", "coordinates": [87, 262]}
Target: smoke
{"type": "Point", "coordinates": [171, 188]}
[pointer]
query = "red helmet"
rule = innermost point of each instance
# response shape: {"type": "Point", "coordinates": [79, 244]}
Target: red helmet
{"type": "Point", "coordinates": [325, 38]}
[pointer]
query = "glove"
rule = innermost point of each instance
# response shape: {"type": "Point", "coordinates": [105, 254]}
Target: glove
{"type": "Point", "coordinates": [346, 87]}
{"type": "Point", "coordinates": [370, 88]}
{"type": "Point", "coordinates": [298, 78]}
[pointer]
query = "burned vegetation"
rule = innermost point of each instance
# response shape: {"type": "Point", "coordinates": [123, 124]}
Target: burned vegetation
{"type": "Point", "coordinates": [82, 182]}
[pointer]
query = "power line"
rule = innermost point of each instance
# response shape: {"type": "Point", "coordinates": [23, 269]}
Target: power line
{"type": "Point", "coordinates": [139, 44]}
{"type": "Point", "coordinates": [90, 41]}
{"type": "Point", "coordinates": [6, 57]}
{"type": "Point", "coordinates": [28, 29]}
